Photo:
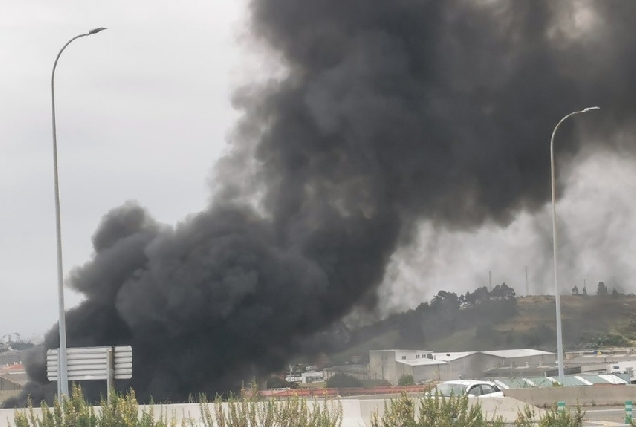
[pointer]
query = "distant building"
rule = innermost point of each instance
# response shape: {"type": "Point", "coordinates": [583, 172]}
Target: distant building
{"type": "Point", "coordinates": [12, 356]}
{"type": "Point", "coordinates": [360, 372]}
{"type": "Point", "coordinates": [608, 361]}
{"type": "Point", "coordinates": [12, 379]}
{"type": "Point", "coordinates": [425, 366]}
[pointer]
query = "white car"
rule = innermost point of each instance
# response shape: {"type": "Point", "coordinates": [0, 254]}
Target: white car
{"type": "Point", "coordinates": [472, 388]}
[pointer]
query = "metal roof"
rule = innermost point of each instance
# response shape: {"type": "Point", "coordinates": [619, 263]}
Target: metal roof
{"type": "Point", "coordinates": [454, 355]}
{"type": "Point", "coordinates": [422, 362]}
{"type": "Point", "coordinates": [568, 381]}
{"type": "Point", "coordinates": [522, 352]}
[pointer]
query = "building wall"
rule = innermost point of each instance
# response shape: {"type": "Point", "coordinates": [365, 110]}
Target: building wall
{"type": "Point", "coordinates": [385, 365]}
{"type": "Point", "coordinates": [427, 373]}
{"type": "Point", "coordinates": [388, 365]}
{"type": "Point", "coordinates": [536, 360]}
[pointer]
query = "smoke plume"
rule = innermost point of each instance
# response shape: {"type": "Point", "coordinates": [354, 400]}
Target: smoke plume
{"type": "Point", "coordinates": [389, 113]}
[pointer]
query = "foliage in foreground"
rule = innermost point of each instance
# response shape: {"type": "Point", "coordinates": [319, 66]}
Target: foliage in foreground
{"type": "Point", "coordinates": [552, 418]}
{"type": "Point", "coordinates": [293, 412]}
{"type": "Point", "coordinates": [459, 411]}
{"type": "Point", "coordinates": [438, 411]}
{"type": "Point", "coordinates": [123, 411]}
{"type": "Point", "coordinates": [405, 411]}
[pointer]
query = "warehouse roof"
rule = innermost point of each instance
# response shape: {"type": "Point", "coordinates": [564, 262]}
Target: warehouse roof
{"type": "Point", "coordinates": [422, 362]}
{"type": "Point", "coordinates": [522, 352]}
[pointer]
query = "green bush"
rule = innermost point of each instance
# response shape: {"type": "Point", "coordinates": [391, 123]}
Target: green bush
{"type": "Point", "coordinates": [343, 381]}
{"type": "Point", "coordinates": [293, 412]}
{"type": "Point", "coordinates": [406, 380]}
{"type": "Point", "coordinates": [434, 411]}
{"type": "Point", "coordinates": [439, 411]}
{"type": "Point", "coordinates": [552, 418]}
{"type": "Point", "coordinates": [121, 411]}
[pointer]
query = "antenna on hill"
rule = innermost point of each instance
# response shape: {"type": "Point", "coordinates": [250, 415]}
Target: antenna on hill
{"type": "Point", "coordinates": [489, 281]}
{"type": "Point", "coordinates": [527, 286]}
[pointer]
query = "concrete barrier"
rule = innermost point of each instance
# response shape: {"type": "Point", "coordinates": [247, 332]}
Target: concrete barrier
{"type": "Point", "coordinates": [355, 412]}
{"type": "Point", "coordinates": [602, 395]}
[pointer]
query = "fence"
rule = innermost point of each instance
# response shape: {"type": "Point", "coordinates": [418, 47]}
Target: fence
{"type": "Point", "coordinates": [342, 392]}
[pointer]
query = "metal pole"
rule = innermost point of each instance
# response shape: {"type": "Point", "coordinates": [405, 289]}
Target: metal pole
{"type": "Point", "coordinates": [557, 296]}
{"type": "Point", "coordinates": [110, 378]}
{"type": "Point", "coordinates": [62, 381]}
{"type": "Point", "coordinates": [527, 287]}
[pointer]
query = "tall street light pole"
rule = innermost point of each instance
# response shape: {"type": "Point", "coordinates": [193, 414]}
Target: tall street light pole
{"type": "Point", "coordinates": [557, 296]}
{"type": "Point", "coordinates": [62, 377]}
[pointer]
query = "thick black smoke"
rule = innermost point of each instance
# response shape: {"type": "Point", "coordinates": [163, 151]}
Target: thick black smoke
{"type": "Point", "coordinates": [392, 111]}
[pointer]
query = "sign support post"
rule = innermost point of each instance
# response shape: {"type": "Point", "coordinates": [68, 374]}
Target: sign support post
{"type": "Point", "coordinates": [110, 367]}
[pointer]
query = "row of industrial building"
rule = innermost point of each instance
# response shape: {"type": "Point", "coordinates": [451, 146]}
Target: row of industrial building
{"type": "Point", "coordinates": [425, 366]}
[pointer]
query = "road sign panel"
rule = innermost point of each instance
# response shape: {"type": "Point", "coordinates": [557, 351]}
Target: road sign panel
{"type": "Point", "coordinates": [91, 363]}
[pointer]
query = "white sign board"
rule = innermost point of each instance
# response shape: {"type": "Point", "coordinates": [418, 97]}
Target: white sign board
{"type": "Point", "coordinates": [91, 363]}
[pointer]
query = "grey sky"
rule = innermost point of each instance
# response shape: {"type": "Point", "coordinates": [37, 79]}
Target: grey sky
{"type": "Point", "coordinates": [143, 112]}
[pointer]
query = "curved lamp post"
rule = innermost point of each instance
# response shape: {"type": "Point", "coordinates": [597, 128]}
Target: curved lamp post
{"type": "Point", "coordinates": [62, 381]}
{"type": "Point", "coordinates": [557, 297]}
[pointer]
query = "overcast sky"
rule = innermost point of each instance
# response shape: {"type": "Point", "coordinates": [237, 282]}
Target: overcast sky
{"type": "Point", "coordinates": [143, 111]}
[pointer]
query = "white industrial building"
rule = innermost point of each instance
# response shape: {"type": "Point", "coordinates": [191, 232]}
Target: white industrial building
{"type": "Point", "coordinates": [424, 366]}
{"type": "Point", "coordinates": [609, 361]}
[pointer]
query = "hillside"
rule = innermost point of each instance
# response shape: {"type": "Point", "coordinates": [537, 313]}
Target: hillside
{"type": "Point", "coordinates": [588, 322]}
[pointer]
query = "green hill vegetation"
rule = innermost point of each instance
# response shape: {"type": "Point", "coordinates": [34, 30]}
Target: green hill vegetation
{"type": "Point", "coordinates": [498, 319]}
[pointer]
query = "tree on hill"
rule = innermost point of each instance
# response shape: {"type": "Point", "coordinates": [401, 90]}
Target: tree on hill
{"type": "Point", "coordinates": [503, 292]}
{"type": "Point", "coordinates": [479, 296]}
{"type": "Point", "coordinates": [447, 300]}
{"type": "Point", "coordinates": [341, 380]}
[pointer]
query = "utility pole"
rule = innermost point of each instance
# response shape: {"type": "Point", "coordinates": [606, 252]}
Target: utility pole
{"type": "Point", "coordinates": [489, 281]}
{"type": "Point", "coordinates": [527, 286]}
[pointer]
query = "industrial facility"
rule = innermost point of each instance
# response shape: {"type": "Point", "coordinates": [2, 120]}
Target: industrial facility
{"type": "Point", "coordinates": [425, 366]}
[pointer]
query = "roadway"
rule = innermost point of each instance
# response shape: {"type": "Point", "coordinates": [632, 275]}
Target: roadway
{"type": "Point", "coordinates": [615, 414]}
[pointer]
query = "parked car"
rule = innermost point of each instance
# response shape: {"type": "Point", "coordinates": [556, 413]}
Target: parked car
{"type": "Point", "coordinates": [472, 388]}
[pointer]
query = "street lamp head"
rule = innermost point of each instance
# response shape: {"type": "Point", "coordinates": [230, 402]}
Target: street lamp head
{"type": "Point", "coordinates": [585, 110]}
{"type": "Point", "coordinates": [96, 30]}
